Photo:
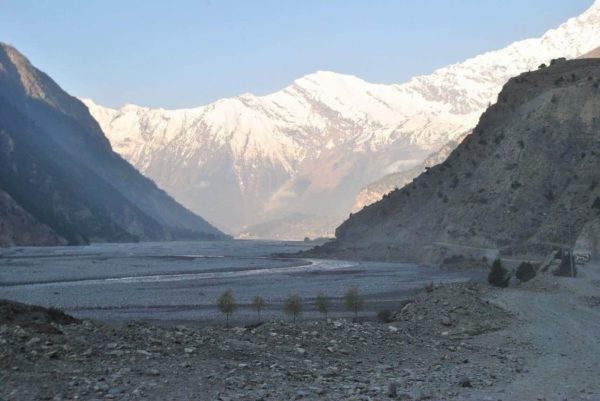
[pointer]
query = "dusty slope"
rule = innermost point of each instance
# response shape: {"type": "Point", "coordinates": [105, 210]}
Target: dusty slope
{"type": "Point", "coordinates": [375, 191]}
{"type": "Point", "coordinates": [593, 54]}
{"type": "Point", "coordinates": [526, 180]}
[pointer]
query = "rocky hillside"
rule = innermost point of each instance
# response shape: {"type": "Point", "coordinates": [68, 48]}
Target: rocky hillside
{"type": "Point", "coordinates": [57, 165]}
{"type": "Point", "coordinates": [525, 181]}
{"type": "Point", "coordinates": [375, 191]}
{"type": "Point", "coordinates": [308, 149]}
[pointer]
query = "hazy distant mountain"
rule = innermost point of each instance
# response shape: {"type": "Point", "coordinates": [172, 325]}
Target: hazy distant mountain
{"type": "Point", "coordinates": [593, 54]}
{"type": "Point", "coordinates": [375, 191]}
{"type": "Point", "coordinates": [309, 148]}
{"type": "Point", "coordinates": [525, 181]}
{"type": "Point", "coordinates": [61, 174]}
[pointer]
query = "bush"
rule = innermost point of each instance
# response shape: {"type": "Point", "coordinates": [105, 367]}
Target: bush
{"type": "Point", "coordinates": [322, 304]}
{"type": "Point", "coordinates": [499, 276]}
{"type": "Point", "coordinates": [292, 306]}
{"type": "Point", "coordinates": [525, 272]}
{"type": "Point", "coordinates": [354, 301]}
{"type": "Point", "coordinates": [385, 316]}
{"type": "Point", "coordinates": [226, 304]}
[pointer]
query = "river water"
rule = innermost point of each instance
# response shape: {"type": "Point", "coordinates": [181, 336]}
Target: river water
{"type": "Point", "coordinates": [175, 282]}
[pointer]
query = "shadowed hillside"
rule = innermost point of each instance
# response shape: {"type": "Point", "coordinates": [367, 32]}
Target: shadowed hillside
{"type": "Point", "coordinates": [58, 166]}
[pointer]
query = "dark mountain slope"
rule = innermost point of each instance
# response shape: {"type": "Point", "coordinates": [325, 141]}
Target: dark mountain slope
{"type": "Point", "coordinates": [18, 227]}
{"type": "Point", "coordinates": [526, 180]}
{"type": "Point", "coordinates": [58, 165]}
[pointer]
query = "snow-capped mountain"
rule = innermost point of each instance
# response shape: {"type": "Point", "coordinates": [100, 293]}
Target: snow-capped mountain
{"type": "Point", "coordinates": [307, 149]}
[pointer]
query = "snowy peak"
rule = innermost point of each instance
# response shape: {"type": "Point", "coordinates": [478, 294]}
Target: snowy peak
{"type": "Point", "coordinates": [308, 148]}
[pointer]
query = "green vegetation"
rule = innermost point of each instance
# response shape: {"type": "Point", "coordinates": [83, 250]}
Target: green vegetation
{"type": "Point", "coordinates": [258, 303]}
{"type": "Point", "coordinates": [292, 306]}
{"type": "Point", "coordinates": [354, 301]}
{"type": "Point", "coordinates": [226, 304]}
{"type": "Point", "coordinates": [322, 304]}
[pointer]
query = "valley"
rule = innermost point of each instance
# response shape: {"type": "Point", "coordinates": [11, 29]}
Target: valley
{"type": "Point", "coordinates": [181, 281]}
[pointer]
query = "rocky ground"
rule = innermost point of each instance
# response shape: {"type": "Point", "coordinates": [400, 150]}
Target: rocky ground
{"type": "Point", "coordinates": [450, 342]}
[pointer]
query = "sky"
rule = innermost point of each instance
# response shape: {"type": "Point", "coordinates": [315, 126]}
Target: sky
{"type": "Point", "coordinates": [187, 53]}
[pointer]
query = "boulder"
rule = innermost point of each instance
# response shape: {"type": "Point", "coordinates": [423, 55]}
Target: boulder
{"type": "Point", "coordinates": [561, 263]}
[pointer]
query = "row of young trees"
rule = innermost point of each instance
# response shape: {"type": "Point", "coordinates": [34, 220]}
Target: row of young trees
{"type": "Point", "coordinates": [292, 305]}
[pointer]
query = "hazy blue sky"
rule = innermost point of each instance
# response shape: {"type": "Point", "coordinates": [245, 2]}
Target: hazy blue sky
{"type": "Point", "coordinates": [181, 53]}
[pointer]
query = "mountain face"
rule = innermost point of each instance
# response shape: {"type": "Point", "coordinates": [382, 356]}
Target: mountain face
{"type": "Point", "coordinates": [18, 227]}
{"type": "Point", "coordinates": [375, 191]}
{"type": "Point", "coordinates": [304, 152]}
{"type": "Point", "coordinates": [57, 165]}
{"type": "Point", "coordinates": [524, 182]}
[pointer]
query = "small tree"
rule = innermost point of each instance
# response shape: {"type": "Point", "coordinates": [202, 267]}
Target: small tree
{"type": "Point", "coordinates": [354, 301]}
{"type": "Point", "coordinates": [322, 303]}
{"type": "Point", "coordinates": [258, 303]}
{"type": "Point", "coordinates": [226, 304]}
{"type": "Point", "coordinates": [292, 305]}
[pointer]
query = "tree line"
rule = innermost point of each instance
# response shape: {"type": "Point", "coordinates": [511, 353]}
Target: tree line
{"type": "Point", "coordinates": [292, 306]}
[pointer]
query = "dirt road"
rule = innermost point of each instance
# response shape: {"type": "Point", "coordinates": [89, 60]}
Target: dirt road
{"type": "Point", "coordinates": [562, 324]}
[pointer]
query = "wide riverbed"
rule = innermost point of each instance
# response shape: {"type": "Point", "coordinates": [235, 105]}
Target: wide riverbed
{"type": "Point", "coordinates": [179, 282]}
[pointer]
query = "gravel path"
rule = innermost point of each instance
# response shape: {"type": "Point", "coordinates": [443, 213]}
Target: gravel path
{"type": "Point", "coordinates": [562, 322]}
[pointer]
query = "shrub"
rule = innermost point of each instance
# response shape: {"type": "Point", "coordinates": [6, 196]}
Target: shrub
{"type": "Point", "coordinates": [258, 303]}
{"type": "Point", "coordinates": [385, 316]}
{"type": "Point", "coordinates": [499, 276]}
{"type": "Point", "coordinates": [354, 301]}
{"type": "Point", "coordinates": [322, 304]}
{"type": "Point", "coordinates": [226, 304]}
{"type": "Point", "coordinates": [292, 306]}
{"type": "Point", "coordinates": [525, 272]}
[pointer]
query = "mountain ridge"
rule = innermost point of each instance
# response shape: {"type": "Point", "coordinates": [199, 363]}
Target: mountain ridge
{"type": "Point", "coordinates": [58, 165]}
{"type": "Point", "coordinates": [308, 148]}
{"type": "Point", "coordinates": [524, 182]}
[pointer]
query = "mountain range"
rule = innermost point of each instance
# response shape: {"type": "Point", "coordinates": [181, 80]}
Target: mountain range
{"type": "Point", "coordinates": [524, 182]}
{"type": "Point", "coordinates": [296, 159]}
{"type": "Point", "coordinates": [60, 181]}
